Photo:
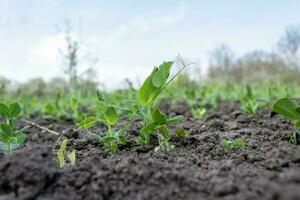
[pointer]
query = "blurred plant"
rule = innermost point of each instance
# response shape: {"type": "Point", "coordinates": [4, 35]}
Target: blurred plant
{"type": "Point", "coordinates": [249, 103]}
{"type": "Point", "coordinates": [10, 138]}
{"type": "Point", "coordinates": [199, 113]}
{"type": "Point", "coordinates": [3, 86]}
{"type": "Point", "coordinates": [288, 108]}
{"type": "Point", "coordinates": [232, 144]}
{"type": "Point", "coordinates": [291, 110]}
{"type": "Point", "coordinates": [62, 154]}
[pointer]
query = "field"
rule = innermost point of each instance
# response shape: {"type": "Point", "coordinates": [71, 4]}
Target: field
{"type": "Point", "coordinates": [169, 139]}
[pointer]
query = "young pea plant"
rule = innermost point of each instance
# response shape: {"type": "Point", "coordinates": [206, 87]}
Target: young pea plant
{"type": "Point", "coordinates": [249, 103]}
{"type": "Point", "coordinates": [55, 109]}
{"type": "Point", "coordinates": [63, 155]}
{"type": "Point", "coordinates": [291, 110]}
{"type": "Point", "coordinates": [199, 113]}
{"type": "Point", "coordinates": [232, 144]}
{"type": "Point", "coordinates": [107, 114]}
{"type": "Point", "coordinates": [10, 138]}
{"type": "Point", "coordinates": [64, 107]}
{"type": "Point", "coordinates": [77, 115]}
{"type": "Point", "coordinates": [153, 119]}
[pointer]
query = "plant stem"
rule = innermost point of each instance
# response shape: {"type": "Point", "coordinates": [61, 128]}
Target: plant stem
{"type": "Point", "coordinates": [41, 127]}
{"type": "Point", "coordinates": [9, 149]}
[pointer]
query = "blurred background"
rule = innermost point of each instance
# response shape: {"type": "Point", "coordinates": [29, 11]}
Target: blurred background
{"type": "Point", "coordinates": [46, 45]}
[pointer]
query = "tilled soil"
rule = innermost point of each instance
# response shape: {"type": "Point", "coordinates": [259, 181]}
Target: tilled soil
{"type": "Point", "coordinates": [198, 167]}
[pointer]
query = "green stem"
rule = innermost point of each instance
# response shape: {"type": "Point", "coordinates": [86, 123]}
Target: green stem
{"type": "Point", "coordinates": [9, 149]}
{"type": "Point", "coordinates": [109, 130]}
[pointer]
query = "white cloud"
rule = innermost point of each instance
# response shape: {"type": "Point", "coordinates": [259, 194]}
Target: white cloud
{"type": "Point", "coordinates": [177, 17]}
{"type": "Point", "coordinates": [46, 51]}
{"type": "Point", "coordinates": [146, 23]}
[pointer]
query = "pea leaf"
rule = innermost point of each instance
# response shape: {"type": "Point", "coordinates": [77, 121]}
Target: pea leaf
{"type": "Point", "coordinates": [100, 95]}
{"type": "Point", "coordinates": [14, 109]}
{"type": "Point", "coordinates": [297, 124]}
{"type": "Point", "coordinates": [175, 120]}
{"type": "Point", "coordinates": [88, 122]}
{"type": "Point", "coordinates": [111, 116]}
{"type": "Point", "coordinates": [61, 153]}
{"type": "Point", "coordinates": [108, 140]}
{"type": "Point", "coordinates": [147, 92]}
{"type": "Point", "coordinates": [149, 128]}
{"type": "Point", "coordinates": [123, 139]}
{"type": "Point", "coordinates": [154, 83]}
{"type": "Point", "coordinates": [287, 108]}
{"type": "Point", "coordinates": [4, 110]}
{"type": "Point", "coordinates": [159, 117]}
{"type": "Point", "coordinates": [72, 157]}
{"type": "Point", "coordinates": [161, 76]}
{"type": "Point", "coordinates": [164, 131]}
{"type": "Point", "coordinates": [180, 132]}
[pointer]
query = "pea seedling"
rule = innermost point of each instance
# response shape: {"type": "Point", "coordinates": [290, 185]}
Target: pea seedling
{"type": "Point", "coordinates": [54, 109]}
{"type": "Point", "coordinates": [107, 114]}
{"type": "Point", "coordinates": [10, 139]}
{"type": "Point", "coordinates": [249, 102]}
{"type": "Point", "coordinates": [199, 113]}
{"type": "Point", "coordinates": [291, 110]}
{"type": "Point", "coordinates": [153, 118]}
{"type": "Point", "coordinates": [232, 144]}
{"type": "Point", "coordinates": [62, 154]}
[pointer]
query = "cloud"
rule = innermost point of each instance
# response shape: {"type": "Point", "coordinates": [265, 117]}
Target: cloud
{"type": "Point", "coordinates": [179, 15]}
{"type": "Point", "coordinates": [46, 51]}
{"type": "Point", "coordinates": [146, 23]}
{"type": "Point", "coordinates": [119, 56]}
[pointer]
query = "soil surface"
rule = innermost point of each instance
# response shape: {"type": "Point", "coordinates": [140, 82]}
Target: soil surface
{"type": "Point", "coordinates": [197, 168]}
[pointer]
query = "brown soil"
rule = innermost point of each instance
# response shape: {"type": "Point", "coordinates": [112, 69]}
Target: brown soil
{"type": "Point", "coordinates": [198, 167]}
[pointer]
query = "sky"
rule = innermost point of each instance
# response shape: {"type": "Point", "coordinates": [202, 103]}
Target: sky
{"type": "Point", "coordinates": [129, 37]}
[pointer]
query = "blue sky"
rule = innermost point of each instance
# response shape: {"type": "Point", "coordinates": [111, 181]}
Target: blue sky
{"type": "Point", "coordinates": [129, 37]}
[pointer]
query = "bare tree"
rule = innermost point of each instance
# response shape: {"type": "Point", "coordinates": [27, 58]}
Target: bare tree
{"type": "Point", "coordinates": [221, 59]}
{"type": "Point", "coordinates": [289, 46]}
{"type": "Point", "coordinates": [71, 58]}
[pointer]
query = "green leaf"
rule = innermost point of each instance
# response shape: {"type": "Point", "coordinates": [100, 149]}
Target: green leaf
{"type": "Point", "coordinates": [113, 147]}
{"type": "Point", "coordinates": [7, 129]}
{"type": "Point", "coordinates": [123, 139]}
{"type": "Point", "coordinates": [297, 124]}
{"type": "Point", "coordinates": [287, 108]}
{"type": "Point", "coordinates": [154, 83]}
{"type": "Point", "coordinates": [199, 113]}
{"type": "Point", "coordinates": [61, 153]}
{"type": "Point", "coordinates": [88, 122]}
{"type": "Point", "coordinates": [180, 132]}
{"type": "Point", "coordinates": [14, 109]}
{"type": "Point", "coordinates": [20, 138]}
{"type": "Point", "coordinates": [72, 157]}
{"type": "Point", "coordinates": [101, 109]}
{"type": "Point", "coordinates": [175, 120]}
{"type": "Point", "coordinates": [161, 76]}
{"type": "Point", "coordinates": [111, 116]}
{"type": "Point", "coordinates": [108, 140]}
{"type": "Point", "coordinates": [164, 131]}
{"type": "Point", "coordinates": [49, 108]}
{"type": "Point", "coordinates": [298, 109]}
{"type": "Point", "coordinates": [149, 128]}
{"type": "Point", "coordinates": [147, 92]}
{"type": "Point", "coordinates": [159, 117]}
{"type": "Point", "coordinates": [4, 136]}
{"type": "Point", "coordinates": [100, 95]}
{"type": "Point", "coordinates": [4, 110]}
